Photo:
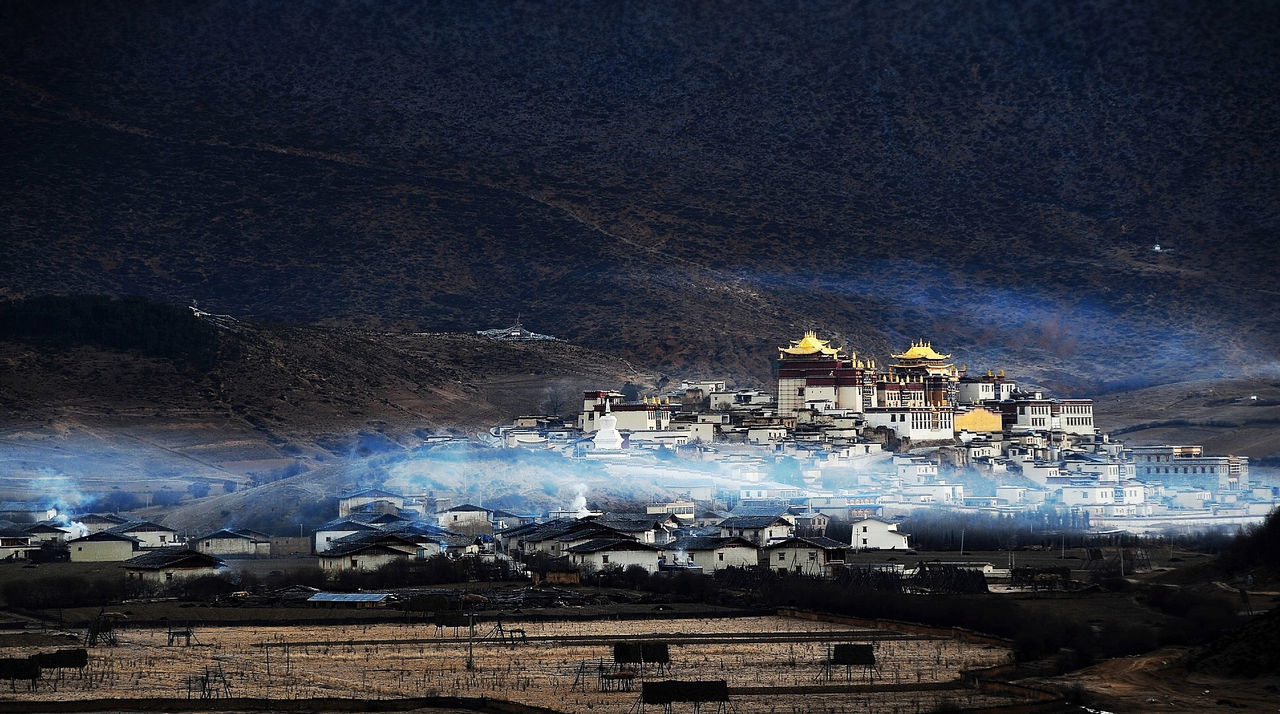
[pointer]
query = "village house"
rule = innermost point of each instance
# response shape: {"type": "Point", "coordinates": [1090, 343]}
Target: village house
{"type": "Point", "coordinates": [366, 497]}
{"type": "Point", "coordinates": [16, 543]}
{"type": "Point", "coordinates": [369, 551]}
{"type": "Point", "coordinates": [47, 533]}
{"type": "Point", "coordinates": [239, 541]}
{"type": "Point", "coordinates": [877, 534]}
{"type": "Point", "coordinates": [711, 554]}
{"type": "Point", "coordinates": [557, 543]}
{"type": "Point", "coordinates": [468, 519]}
{"type": "Point", "coordinates": [26, 511]}
{"type": "Point", "coordinates": [602, 553]}
{"type": "Point", "coordinates": [169, 564]}
{"type": "Point", "coordinates": [653, 528]}
{"type": "Point", "coordinates": [757, 529]}
{"type": "Point", "coordinates": [149, 535]}
{"type": "Point", "coordinates": [814, 557]}
{"type": "Point", "coordinates": [103, 546]}
{"type": "Point", "coordinates": [337, 529]}
{"type": "Point", "coordinates": [98, 522]}
{"type": "Point", "coordinates": [811, 524]}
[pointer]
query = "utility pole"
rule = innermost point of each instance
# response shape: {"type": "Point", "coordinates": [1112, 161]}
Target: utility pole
{"type": "Point", "coordinates": [471, 634]}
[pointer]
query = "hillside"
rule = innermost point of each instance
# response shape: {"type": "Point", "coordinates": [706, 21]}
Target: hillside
{"type": "Point", "coordinates": [277, 401]}
{"type": "Point", "coordinates": [687, 185]}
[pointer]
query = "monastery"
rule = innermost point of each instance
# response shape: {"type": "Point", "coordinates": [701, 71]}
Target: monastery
{"type": "Point", "coordinates": [908, 427]}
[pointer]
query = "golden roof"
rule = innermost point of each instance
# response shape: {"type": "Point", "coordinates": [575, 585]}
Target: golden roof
{"type": "Point", "coordinates": [810, 345]}
{"type": "Point", "coordinates": [921, 350]}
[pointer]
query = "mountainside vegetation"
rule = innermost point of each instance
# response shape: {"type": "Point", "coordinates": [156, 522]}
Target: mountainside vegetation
{"type": "Point", "coordinates": [688, 185]}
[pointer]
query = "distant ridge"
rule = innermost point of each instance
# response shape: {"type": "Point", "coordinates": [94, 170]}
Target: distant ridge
{"type": "Point", "coordinates": [686, 185]}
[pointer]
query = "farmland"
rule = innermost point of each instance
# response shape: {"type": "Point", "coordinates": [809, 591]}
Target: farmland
{"type": "Point", "coordinates": [769, 663]}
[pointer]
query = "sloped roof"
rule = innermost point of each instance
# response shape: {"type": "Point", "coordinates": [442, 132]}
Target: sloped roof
{"type": "Point", "coordinates": [22, 506]}
{"type": "Point", "coordinates": [141, 527]}
{"type": "Point", "coordinates": [707, 543]}
{"type": "Point", "coordinates": [105, 536]}
{"type": "Point", "coordinates": [560, 527]}
{"type": "Point", "coordinates": [102, 518]}
{"type": "Point", "coordinates": [345, 549]}
{"type": "Point", "coordinates": [610, 544]}
{"type": "Point", "coordinates": [876, 519]}
{"type": "Point", "coordinates": [374, 518]}
{"type": "Point", "coordinates": [520, 530]}
{"type": "Point", "coordinates": [815, 541]}
{"type": "Point", "coordinates": [376, 536]}
{"type": "Point", "coordinates": [466, 508]}
{"type": "Point", "coordinates": [347, 524]}
{"type": "Point", "coordinates": [173, 558]}
{"type": "Point", "coordinates": [417, 528]}
{"type": "Point", "coordinates": [45, 527]}
{"type": "Point", "coordinates": [752, 521]}
{"type": "Point", "coordinates": [238, 533]}
{"type": "Point", "coordinates": [597, 532]}
{"type": "Point", "coordinates": [368, 492]}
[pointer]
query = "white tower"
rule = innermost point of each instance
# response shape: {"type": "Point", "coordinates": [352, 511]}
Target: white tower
{"type": "Point", "coordinates": [607, 437]}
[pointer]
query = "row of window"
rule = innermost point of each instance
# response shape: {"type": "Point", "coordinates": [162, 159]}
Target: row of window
{"type": "Point", "coordinates": [1181, 469]}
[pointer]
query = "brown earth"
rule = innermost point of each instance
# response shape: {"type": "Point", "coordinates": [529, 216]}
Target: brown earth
{"type": "Point", "coordinates": [1161, 681]}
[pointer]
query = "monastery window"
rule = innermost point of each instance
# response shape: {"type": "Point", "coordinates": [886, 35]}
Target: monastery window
{"type": "Point", "coordinates": [782, 557]}
{"type": "Point", "coordinates": [604, 559]}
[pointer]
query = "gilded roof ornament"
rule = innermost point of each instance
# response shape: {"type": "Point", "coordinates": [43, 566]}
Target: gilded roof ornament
{"type": "Point", "coordinates": [921, 350]}
{"type": "Point", "coordinates": [810, 345]}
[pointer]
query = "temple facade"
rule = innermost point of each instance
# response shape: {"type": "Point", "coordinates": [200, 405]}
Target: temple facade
{"type": "Point", "coordinates": [920, 377]}
{"type": "Point", "coordinates": [813, 374]}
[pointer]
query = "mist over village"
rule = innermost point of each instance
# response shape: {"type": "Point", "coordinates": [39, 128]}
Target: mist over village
{"type": "Point", "coordinates": [558, 357]}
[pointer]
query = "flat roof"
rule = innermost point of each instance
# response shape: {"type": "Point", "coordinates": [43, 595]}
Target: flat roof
{"type": "Point", "coordinates": [348, 597]}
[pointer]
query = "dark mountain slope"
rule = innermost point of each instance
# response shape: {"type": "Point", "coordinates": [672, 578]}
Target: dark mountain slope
{"type": "Point", "coordinates": [692, 184]}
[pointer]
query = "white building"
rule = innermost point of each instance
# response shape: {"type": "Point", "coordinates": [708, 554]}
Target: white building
{"type": "Point", "coordinates": [711, 554]}
{"type": "Point", "coordinates": [986, 388]}
{"type": "Point", "coordinates": [941, 492]}
{"type": "Point", "coordinates": [913, 469]}
{"type": "Point", "coordinates": [813, 557]}
{"type": "Point", "coordinates": [766, 434]}
{"type": "Point", "coordinates": [878, 534]}
{"type": "Point", "coordinates": [148, 534]}
{"type": "Point", "coordinates": [603, 553]}
{"type": "Point", "coordinates": [915, 423]}
{"type": "Point", "coordinates": [1189, 464]}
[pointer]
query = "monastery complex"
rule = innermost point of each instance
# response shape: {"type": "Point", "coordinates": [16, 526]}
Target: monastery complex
{"type": "Point", "coordinates": [919, 432]}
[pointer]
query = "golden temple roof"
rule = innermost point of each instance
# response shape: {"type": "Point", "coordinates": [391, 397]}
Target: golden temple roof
{"type": "Point", "coordinates": [921, 350]}
{"type": "Point", "coordinates": [810, 345]}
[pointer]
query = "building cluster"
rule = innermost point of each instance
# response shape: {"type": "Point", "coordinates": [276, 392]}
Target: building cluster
{"type": "Point", "coordinates": [759, 476]}
{"type": "Point", "coordinates": [912, 431]}
{"type": "Point", "coordinates": [378, 527]}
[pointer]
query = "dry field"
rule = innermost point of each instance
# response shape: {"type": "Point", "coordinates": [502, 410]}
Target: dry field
{"type": "Point", "coordinates": [765, 661]}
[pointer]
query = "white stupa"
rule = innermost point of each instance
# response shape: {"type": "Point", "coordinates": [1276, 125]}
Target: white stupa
{"type": "Point", "coordinates": [607, 437]}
